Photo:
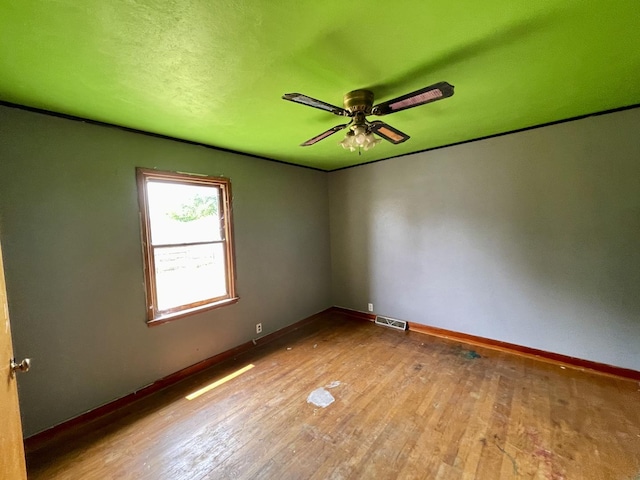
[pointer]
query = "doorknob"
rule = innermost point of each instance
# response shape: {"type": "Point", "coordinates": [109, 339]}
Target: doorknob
{"type": "Point", "coordinates": [23, 366]}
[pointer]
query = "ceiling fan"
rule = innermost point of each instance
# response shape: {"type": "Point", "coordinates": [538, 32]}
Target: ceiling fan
{"type": "Point", "coordinates": [358, 105]}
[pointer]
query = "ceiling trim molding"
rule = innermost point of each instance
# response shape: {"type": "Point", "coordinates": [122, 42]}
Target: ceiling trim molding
{"type": "Point", "coordinates": [510, 132]}
{"type": "Point", "coordinates": [150, 134]}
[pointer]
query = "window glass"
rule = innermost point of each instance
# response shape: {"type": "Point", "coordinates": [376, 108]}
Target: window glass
{"type": "Point", "coordinates": [188, 274]}
{"type": "Point", "coordinates": [180, 213]}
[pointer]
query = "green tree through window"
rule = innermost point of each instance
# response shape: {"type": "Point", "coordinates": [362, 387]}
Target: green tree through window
{"type": "Point", "coordinates": [200, 207]}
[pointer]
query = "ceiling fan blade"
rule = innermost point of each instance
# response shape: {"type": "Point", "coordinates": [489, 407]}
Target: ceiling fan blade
{"type": "Point", "coordinates": [428, 94]}
{"type": "Point", "coordinates": [323, 135]}
{"type": "Point", "coordinates": [388, 132]}
{"type": "Point", "coordinates": [312, 102]}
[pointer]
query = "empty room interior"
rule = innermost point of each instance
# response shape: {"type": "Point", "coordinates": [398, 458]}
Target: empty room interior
{"type": "Point", "coordinates": [320, 239]}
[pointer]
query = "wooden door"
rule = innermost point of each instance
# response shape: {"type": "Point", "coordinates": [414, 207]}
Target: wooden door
{"type": "Point", "coordinates": [12, 464]}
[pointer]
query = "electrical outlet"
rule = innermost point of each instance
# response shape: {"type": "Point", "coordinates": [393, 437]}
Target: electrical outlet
{"type": "Point", "coordinates": [370, 307]}
{"type": "Point", "coordinates": [258, 328]}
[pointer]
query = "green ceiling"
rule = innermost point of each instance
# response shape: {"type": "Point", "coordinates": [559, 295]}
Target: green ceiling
{"type": "Point", "coordinates": [214, 71]}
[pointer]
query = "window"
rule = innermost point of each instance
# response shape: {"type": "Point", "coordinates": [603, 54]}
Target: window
{"type": "Point", "coordinates": [187, 243]}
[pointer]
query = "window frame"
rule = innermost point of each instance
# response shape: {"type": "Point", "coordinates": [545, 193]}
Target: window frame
{"type": "Point", "coordinates": [154, 315]}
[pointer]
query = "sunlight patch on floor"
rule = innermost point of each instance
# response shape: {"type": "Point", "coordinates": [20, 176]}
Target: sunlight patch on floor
{"type": "Point", "coordinates": [217, 383]}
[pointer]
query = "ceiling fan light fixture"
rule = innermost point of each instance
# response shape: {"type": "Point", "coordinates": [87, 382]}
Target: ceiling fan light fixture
{"type": "Point", "coordinates": [348, 142]}
{"type": "Point", "coordinates": [372, 142]}
{"type": "Point", "coordinates": [359, 137]}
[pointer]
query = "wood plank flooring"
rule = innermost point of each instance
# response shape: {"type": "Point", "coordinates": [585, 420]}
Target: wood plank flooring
{"type": "Point", "coordinates": [407, 406]}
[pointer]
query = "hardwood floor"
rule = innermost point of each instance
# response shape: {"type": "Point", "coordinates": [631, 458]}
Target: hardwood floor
{"type": "Point", "coordinates": [407, 406]}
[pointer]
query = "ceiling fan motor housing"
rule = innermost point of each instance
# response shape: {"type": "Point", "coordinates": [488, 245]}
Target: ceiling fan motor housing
{"type": "Point", "coordinates": [358, 101]}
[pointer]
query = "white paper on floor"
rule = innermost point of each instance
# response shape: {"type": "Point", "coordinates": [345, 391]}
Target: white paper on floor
{"type": "Point", "coordinates": [320, 397]}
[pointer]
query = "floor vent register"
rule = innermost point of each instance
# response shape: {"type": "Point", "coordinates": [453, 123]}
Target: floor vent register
{"type": "Point", "coordinates": [392, 323]}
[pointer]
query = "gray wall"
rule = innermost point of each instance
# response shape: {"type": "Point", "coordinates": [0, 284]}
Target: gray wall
{"type": "Point", "coordinates": [531, 238]}
{"type": "Point", "coordinates": [71, 239]}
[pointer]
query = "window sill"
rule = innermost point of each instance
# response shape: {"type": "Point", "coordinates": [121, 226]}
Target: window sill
{"type": "Point", "coordinates": [169, 317]}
